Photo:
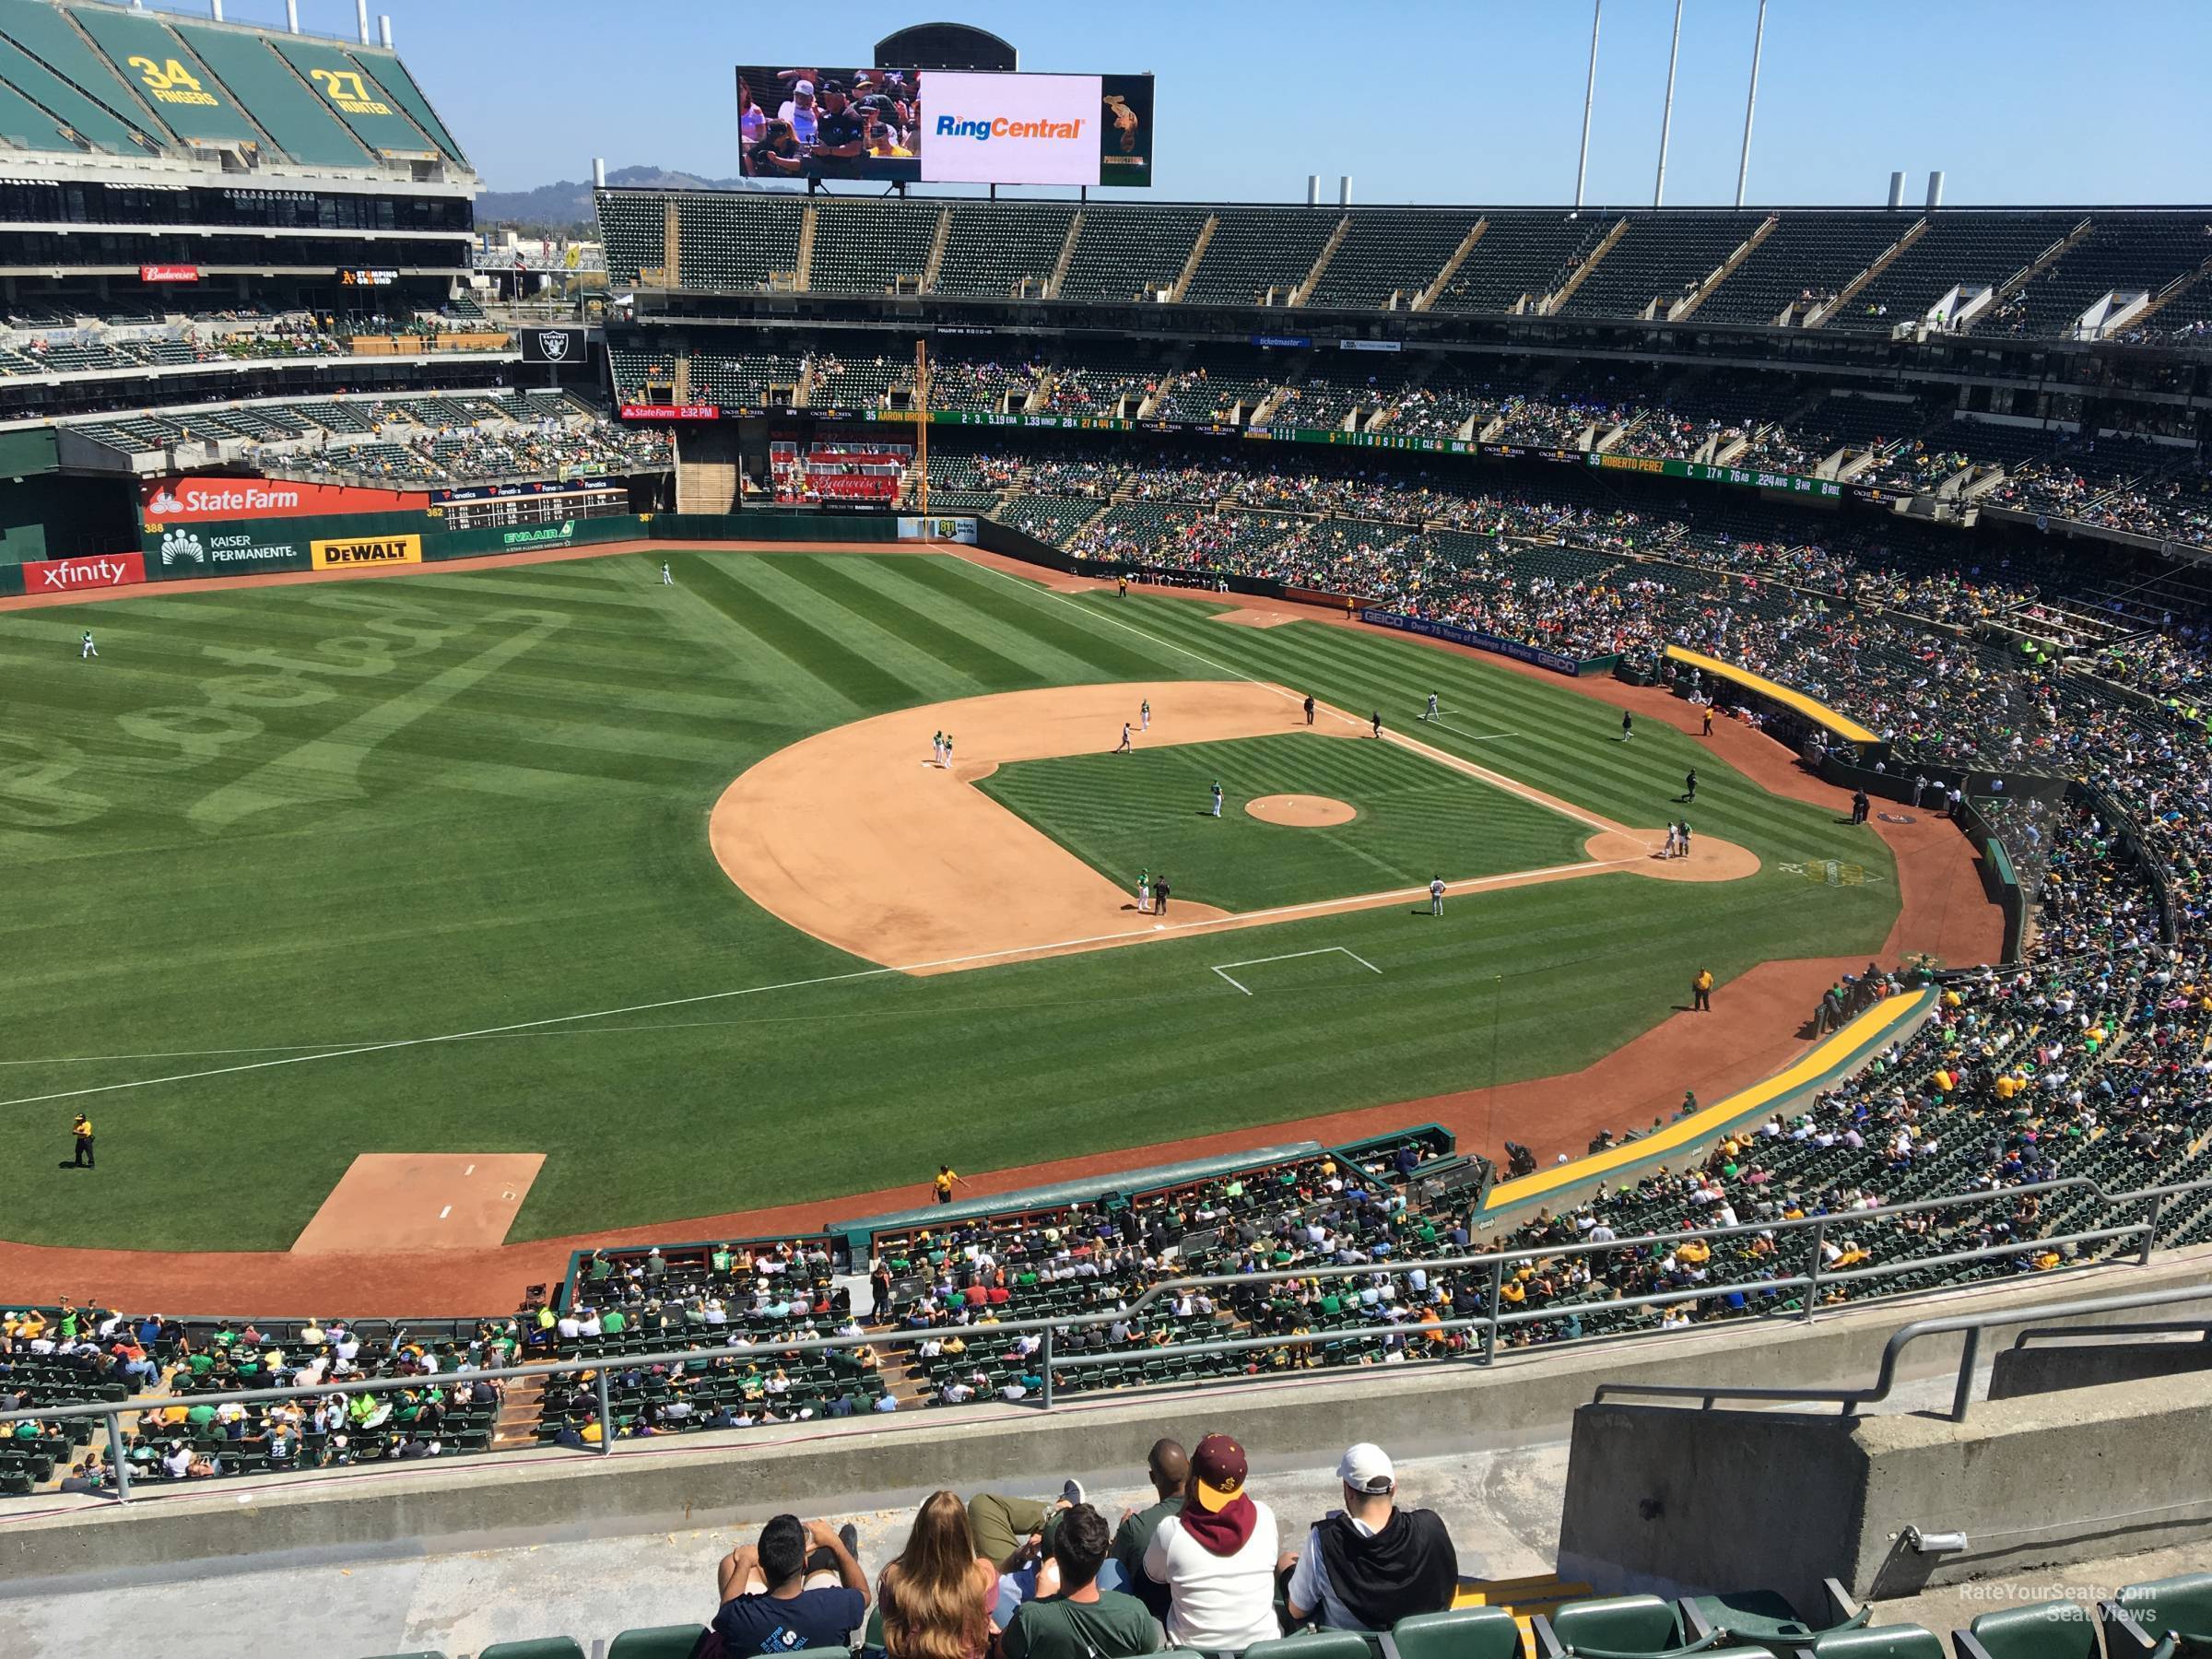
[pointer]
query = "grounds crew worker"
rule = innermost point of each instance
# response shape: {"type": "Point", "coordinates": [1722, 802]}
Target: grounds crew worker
{"type": "Point", "coordinates": [82, 1129]}
{"type": "Point", "coordinates": [1700, 992]}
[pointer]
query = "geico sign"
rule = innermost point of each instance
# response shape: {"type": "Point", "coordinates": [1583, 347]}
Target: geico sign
{"type": "Point", "coordinates": [69, 575]}
{"type": "Point", "coordinates": [353, 550]}
{"type": "Point", "coordinates": [956, 126]}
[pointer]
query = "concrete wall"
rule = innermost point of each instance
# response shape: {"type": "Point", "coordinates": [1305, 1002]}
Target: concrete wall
{"type": "Point", "coordinates": [1528, 1397]}
{"type": "Point", "coordinates": [2047, 1368]}
{"type": "Point", "coordinates": [1684, 1500]}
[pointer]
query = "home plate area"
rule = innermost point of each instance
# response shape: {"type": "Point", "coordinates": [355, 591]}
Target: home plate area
{"type": "Point", "coordinates": [1296, 971]}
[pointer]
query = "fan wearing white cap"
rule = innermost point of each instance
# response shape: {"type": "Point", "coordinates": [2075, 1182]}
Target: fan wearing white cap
{"type": "Point", "coordinates": [798, 109]}
{"type": "Point", "coordinates": [1370, 1563]}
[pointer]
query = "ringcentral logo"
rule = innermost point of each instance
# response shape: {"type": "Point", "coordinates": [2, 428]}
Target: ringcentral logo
{"type": "Point", "coordinates": [955, 126]}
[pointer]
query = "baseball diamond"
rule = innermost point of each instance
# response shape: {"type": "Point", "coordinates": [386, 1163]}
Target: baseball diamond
{"type": "Point", "coordinates": [514, 772]}
{"type": "Point", "coordinates": [729, 902]}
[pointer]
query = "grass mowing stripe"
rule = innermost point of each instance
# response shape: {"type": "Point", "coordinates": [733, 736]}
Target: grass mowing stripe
{"type": "Point", "coordinates": [834, 604]}
{"type": "Point", "coordinates": [844, 675]}
{"type": "Point", "coordinates": [1011, 603]}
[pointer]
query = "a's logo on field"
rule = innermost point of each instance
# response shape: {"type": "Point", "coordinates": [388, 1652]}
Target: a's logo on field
{"type": "Point", "coordinates": [347, 552]}
{"type": "Point", "coordinates": [181, 543]}
{"type": "Point", "coordinates": [1829, 872]}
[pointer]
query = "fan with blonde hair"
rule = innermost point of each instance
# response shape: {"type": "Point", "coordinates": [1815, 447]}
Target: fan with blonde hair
{"type": "Point", "coordinates": [937, 1596]}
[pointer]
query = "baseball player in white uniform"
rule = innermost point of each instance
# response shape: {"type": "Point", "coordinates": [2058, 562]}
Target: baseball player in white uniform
{"type": "Point", "coordinates": [88, 650]}
{"type": "Point", "coordinates": [1217, 799]}
{"type": "Point", "coordinates": [1143, 715]}
{"type": "Point", "coordinates": [936, 749]}
{"type": "Point", "coordinates": [1431, 712]}
{"type": "Point", "coordinates": [1127, 748]}
{"type": "Point", "coordinates": [666, 580]}
{"type": "Point", "coordinates": [1436, 895]}
{"type": "Point", "coordinates": [948, 751]}
{"type": "Point", "coordinates": [1144, 892]}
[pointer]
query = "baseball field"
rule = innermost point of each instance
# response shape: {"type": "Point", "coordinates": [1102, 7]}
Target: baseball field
{"type": "Point", "coordinates": [655, 893]}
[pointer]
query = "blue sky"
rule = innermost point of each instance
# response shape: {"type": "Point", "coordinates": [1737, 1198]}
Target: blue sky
{"type": "Point", "coordinates": [1421, 101]}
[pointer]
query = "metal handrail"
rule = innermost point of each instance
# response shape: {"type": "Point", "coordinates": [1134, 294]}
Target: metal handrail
{"type": "Point", "coordinates": [1496, 1318]}
{"type": "Point", "coordinates": [1885, 1378]}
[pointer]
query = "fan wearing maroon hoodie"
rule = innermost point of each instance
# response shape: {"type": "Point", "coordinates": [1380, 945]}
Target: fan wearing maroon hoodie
{"type": "Point", "coordinates": [1217, 1557]}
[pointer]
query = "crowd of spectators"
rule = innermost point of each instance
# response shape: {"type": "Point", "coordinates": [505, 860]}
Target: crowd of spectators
{"type": "Point", "coordinates": [406, 454]}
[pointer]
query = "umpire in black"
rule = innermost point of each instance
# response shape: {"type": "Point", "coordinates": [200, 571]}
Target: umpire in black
{"type": "Point", "coordinates": [82, 1128]}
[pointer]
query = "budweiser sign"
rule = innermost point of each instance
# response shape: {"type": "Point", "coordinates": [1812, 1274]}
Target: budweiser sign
{"type": "Point", "coordinates": [168, 273]}
{"type": "Point", "coordinates": [199, 501]}
{"type": "Point", "coordinates": [692, 411]}
{"type": "Point", "coordinates": [74, 575]}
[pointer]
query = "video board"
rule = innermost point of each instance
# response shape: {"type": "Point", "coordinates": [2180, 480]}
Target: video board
{"type": "Point", "coordinates": [944, 126]}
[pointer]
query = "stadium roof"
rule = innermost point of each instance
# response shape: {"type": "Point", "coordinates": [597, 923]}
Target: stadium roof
{"type": "Point", "coordinates": [90, 81]}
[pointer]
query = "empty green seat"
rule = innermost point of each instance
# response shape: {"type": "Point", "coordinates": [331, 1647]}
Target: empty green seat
{"type": "Point", "coordinates": [1464, 1633]}
{"type": "Point", "coordinates": [1617, 1627]}
{"type": "Point", "coordinates": [1878, 1642]}
{"type": "Point", "coordinates": [1763, 1619]}
{"type": "Point", "coordinates": [542, 1647]}
{"type": "Point", "coordinates": [662, 1642]}
{"type": "Point", "coordinates": [2139, 1619]}
{"type": "Point", "coordinates": [1319, 1644]}
{"type": "Point", "coordinates": [2060, 1629]}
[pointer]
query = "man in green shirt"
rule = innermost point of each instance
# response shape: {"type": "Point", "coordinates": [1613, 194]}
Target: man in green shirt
{"type": "Point", "coordinates": [1080, 1620]}
{"type": "Point", "coordinates": [1169, 1466]}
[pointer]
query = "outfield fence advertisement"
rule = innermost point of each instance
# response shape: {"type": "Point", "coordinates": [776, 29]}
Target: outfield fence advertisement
{"type": "Point", "coordinates": [82, 575]}
{"type": "Point", "coordinates": [1469, 637]}
{"type": "Point", "coordinates": [351, 552]}
{"type": "Point", "coordinates": [202, 499]}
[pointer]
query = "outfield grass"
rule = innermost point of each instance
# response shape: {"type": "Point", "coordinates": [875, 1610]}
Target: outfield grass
{"type": "Point", "coordinates": [1152, 809]}
{"type": "Point", "coordinates": [415, 824]}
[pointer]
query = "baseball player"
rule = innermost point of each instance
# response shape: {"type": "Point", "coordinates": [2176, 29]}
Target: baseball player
{"type": "Point", "coordinates": [1436, 895]}
{"type": "Point", "coordinates": [88, 650]}
{"type": "Point", "coordinates": [1144, 892]}
{"type": "Point", "coordinates": [1627, 725]}
{"type": "Point", "coordinates": [948, 751]}
{"type": "Point", "coordinates": [1376, 719]}
{"type": "Point", "coordinates": [1685, 827]}
{"type": "Point", "coordinates": [666, 580]}
{"type": "Point", "coordinates": [936, 749]}
{"type": "Point", "coordinates": [1431, 712]}
{"type": "Point", "coordinates": [1673, 841]}
{"type": "Point", "coordinates": [1143, 715]}
{"type": "Point", "coordinates": [1309, 709]}
{"type": "Point", "coordinates": [1127, 748]}
{"type": "Point", "coordinates": [1690, 786]}
{"type": "Point", "coordinates": [1217, 797]}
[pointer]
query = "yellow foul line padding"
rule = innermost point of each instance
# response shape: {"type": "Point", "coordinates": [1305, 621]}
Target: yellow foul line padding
{"type": "Point", "coordinates": [1850, 731]}
{"type": "Point", "coordinates": [1862, 1034]}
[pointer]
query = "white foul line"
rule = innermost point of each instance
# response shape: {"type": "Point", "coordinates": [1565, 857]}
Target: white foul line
{"type": "Point", "coordinates": [1222, 968]}
{"type": "Point", "coordinates": [445, 1212]}
{"type": "Point", "coordinates": [1509, 785]}
{"type": "Point", "coordinates": [1158, 930]}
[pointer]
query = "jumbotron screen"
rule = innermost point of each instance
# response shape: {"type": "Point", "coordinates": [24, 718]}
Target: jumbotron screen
{"type": "Point", "coordinates": [944, 126]}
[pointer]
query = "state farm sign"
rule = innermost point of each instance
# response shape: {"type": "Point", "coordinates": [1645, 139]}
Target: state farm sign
{"type": "Point", "coordinates": [76, 575]}
{"type": "Point", "coordinates": [692, 411]}
{"type": "Point", "coordinates": [200, 500]}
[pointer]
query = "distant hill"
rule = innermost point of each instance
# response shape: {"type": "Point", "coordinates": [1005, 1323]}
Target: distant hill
{"type": "Point", "coordinates": [568, 205]}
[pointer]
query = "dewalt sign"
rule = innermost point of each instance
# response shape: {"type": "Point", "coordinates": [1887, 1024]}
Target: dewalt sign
{"type": "Point", "coordinates": [354, 550]}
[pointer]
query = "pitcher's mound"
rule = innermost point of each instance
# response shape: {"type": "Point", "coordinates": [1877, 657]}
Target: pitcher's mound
{"type": "Point", "coordinates": [1300, 812]}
